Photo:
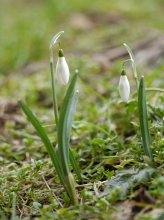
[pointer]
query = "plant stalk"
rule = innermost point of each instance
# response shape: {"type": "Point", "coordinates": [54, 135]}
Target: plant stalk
{"type": "Point", "coordinates": [55, 105]}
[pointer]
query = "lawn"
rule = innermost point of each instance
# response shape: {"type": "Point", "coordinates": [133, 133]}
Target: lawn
{"type": "Point", "coordinates": [118, 181]}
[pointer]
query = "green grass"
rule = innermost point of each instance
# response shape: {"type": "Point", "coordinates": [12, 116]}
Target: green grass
{"type": "Point", "coordinates": [105, 137]}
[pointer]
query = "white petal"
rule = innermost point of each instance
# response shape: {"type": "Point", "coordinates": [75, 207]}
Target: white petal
{"type": "Point", "coordinates": [124, 88]}
{"type": "Point", "coordinates": [62, 71]}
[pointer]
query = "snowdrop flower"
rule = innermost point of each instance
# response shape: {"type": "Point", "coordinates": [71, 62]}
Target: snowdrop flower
{"type": "Point", "coordinates": [62, 70]}
{"type": "Point", "coordinates": [124, 87]}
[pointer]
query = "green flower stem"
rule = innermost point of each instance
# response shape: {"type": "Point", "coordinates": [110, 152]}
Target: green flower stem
{"type": "Point", "coordinates": [135, 74]}
{"type": "Point", "coordinates": [52, 44]}
{"type": "Point", "coordinates": [125, 62]}
{"type": "Point", "coordinates": [54, 94]}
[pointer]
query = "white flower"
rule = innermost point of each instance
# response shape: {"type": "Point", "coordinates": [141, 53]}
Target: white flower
{"type": "Point", "coordinates": [124, 87]}
{"type": "Point", "coordinates": [62, 70]}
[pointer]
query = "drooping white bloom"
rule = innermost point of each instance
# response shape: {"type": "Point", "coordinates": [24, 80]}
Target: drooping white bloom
{"type": "Point", "coordinates": [124, 87]}
{"type": "Point", "coordinates": [62, 69]}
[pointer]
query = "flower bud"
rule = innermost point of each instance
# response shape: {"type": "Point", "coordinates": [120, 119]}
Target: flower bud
{"type": "Point", "coordinates": [62, 70]}
{"type": "Point", "coordinates": [124, 87]}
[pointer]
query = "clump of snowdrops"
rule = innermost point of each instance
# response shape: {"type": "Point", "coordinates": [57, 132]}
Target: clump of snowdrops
{"type": "Point", "coordinates": [124, 90]}
{"type": "Point", "coordinates": [61, 154]}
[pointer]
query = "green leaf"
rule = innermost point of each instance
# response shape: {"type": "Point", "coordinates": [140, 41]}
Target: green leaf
{"type": "Point", "coordinates": [72, 109]}
{"type": "Point", "coordinates": [42, 134]}
{"type": "Point", "coordinates": [64, 128]}
{"type": "Point", "coordinates": [68, 130]}
{"type": "Point", "coordinates": [64, 124]}
{"type": "Point", "coordinates": [142, 108]}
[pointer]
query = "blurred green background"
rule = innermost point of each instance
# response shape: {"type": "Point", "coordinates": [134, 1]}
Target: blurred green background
{"type": "Point", "coordinates": [26, 26]}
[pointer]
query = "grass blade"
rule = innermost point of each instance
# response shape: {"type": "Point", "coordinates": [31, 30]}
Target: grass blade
{"type": "Point", "coordinates": [142, 108]}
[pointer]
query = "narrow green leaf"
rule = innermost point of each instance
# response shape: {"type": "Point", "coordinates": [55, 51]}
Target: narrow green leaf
{"type": "Point", "coordinates": [71, 113]}
{"type": "Point", "coordinates": [64, 127]}
{"type": "Point", "coordinates": [65, 118]}
{"type": "Point", "coordinates": [60, 167]}
{"type": "Point", "coordinates": [142, 108]}
{"type": "Point", "coordinates": [42, 134]}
